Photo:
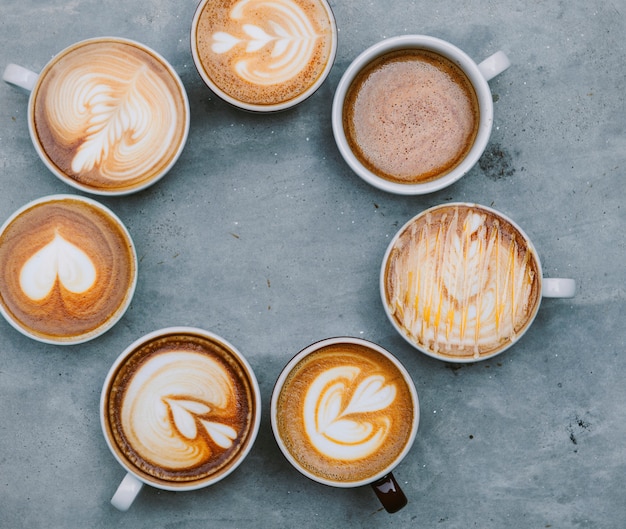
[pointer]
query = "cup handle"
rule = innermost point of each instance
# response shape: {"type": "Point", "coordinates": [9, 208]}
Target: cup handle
{"type": "Point", "coordinates": [494, 65]}
{"type": "Point", "coordinates": [20, 77]}
{"type": "Point", "coordinates": [558, 287]}
{"type": "Point", "coordinates": [126, 493]}
{"type": "Point", "coordinates": [389, 493]}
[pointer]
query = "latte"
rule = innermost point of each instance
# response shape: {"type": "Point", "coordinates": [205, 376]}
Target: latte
{"type": "Point", "coordinates": [345, 413]}
{"type": "Point", "coordinates": [460, 281]}
{"type": "Point", "coordinates": [180, 408]}
{"type": "Point", "coordinates": [109, 116]}
{"type": "Point", "coordinates": [68, 269]}
{"type": "Point", "coordinates": [411, 116]}
{"type": "Point", "coordinates": [263, 53]}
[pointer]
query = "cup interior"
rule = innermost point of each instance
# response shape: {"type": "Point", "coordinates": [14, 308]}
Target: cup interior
{"type": "Point", "coordinates": [415, 334]}
{"type": "Point", "coordinates": [408, 42]}
{"type": "Point", "coordinates": [278, 388]}
{"type": "Point", "coordinates": [244, 445]}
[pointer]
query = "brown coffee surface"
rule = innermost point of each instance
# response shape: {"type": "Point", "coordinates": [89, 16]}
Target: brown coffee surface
{"type": "Point", "coordinates": [109, 115]}
{"type": "Point", "coordinates": [264, 52]}
{"type": "Point", "coordinates": [411, 116]}
{"type": "Point", "coordinates": [67, 269]}
{"type": "Point", "coordinates": [462, 282]}
{"type": "Point", "coordinates": [180, 410]}
{"type": "Point", "coordinates": [345, 413]}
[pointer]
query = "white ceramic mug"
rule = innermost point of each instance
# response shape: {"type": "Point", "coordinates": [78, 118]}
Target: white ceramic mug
{"type": "Point", "coordinates": [462, 282]}
{"type": "Point", "coordinates": [107, 115]}
{"type": "Point", "coordinates": [357, 388]}
{"type": "Point", "coordinates": [478, 75]}
{"type": "Point", "coordinates": [178, 410]}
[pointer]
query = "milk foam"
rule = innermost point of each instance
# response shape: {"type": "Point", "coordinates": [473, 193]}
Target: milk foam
{"type": "Point", "coordinates": [60, 261]}
{"type": "Point", "coordinates": [175, 404]}
{"type": "Point", "coordinates": [460, 283]}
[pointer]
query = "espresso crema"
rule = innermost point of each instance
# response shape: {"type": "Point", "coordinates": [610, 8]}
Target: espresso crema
{"type": "Point", "coordinates": [109, 115]}
{"type": "Point", "coordinates": [411, 116]}
{"type": "Point", "coordinates": [264, 52]}
{"type": "Point", "coordinates": [180, 409]}
{"type": "Point", "coordinates": [461, 281]}
{"type": "Point", "coordinates": [67, 269]}
{"type": "Point", "coordinates": [345, 413]}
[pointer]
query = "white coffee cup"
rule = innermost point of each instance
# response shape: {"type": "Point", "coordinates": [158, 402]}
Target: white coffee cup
{"type": "Point", "coordinates": [462, 282]}
{"type": "Point", "coordinates": [107, 145]}
{"type": "Point", "coordinates": [366, 384]}
{"type": "Point", "coordinates": [478, 75]}
{"type": "Point", "coordinates": [180, 388]}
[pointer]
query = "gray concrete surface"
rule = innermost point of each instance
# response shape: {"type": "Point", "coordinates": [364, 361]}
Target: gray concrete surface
{"type": "Point", "coordinates": [262, 234]}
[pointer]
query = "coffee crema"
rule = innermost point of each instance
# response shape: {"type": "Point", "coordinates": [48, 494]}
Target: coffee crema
{"type": "Point", "coordinates": [109, 115]}
{"type": "Point", "coordinates": [411, 116]}
{"type": "Point", "coordinates": [264, 52]}
{"type": "Point", "coordinates": [180, 409]}
{"type": "Point", "coordinates": [67, 269]}
{"type": "Point", "coordinates": [460, 281]}
{"type": "Point", "coordinates": [345, 413]}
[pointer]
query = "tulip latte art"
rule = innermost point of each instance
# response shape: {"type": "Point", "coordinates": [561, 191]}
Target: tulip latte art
{"type": "Point", "coordinates": [461, 281]}
{"type": "Point", "coordinates": [180, 409]}
{"type": "Point", "coordinates": [345, 413]}
{"type": "Point", "coordinates": [109, 115]}
{"type": "Point", "coordinates": [264, 51]}
{"type": "Point", "coordinates": [67, 269]}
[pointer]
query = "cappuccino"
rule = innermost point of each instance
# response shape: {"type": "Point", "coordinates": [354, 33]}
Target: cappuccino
{"type": "Point", "coordinates": [461, 282]}
{"type": "Point", "coordinates": [180, 409]}
{"type": "Point", "coordinates": [68, 269]}
{"type": "Point", "coordinates": [345, 413]}
{"type": "Point", "coordinates": [109, 116]}
{"type": "Point", "coordinates": [411, 116]}
{"type": "Point", "coordinates": [262, 53]}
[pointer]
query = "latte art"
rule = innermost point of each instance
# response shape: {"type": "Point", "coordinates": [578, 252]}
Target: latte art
{"type": "Point", "coordinates": [461, 281]}
{"type": "Point", "coordinates": [67, 269]}
{"type": "Point", "coordinates": [109, 115]}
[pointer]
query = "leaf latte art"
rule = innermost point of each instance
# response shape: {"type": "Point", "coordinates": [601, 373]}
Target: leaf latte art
{"type": "Point", "coordinates": [109, 115]}
{"type": "Point", "coordinates": [461, 281]}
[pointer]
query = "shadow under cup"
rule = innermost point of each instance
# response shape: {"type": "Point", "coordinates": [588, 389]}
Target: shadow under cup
{"type": "Point", "coordinates": [345, 413]}
{"type": "Point", "coordinates": [180, 410]}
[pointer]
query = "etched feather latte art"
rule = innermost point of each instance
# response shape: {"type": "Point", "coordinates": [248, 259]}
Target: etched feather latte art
{"type": "Point", "coordinates": [460, 282]}
{"type": "Point", "coordinates": [176, 410]}
{"type": "Point", "coordinates": [61, 261]}
{"type": "Point", "coordinates": [290, 35]}
{"type": "Point", "coordinates": [344, 415]}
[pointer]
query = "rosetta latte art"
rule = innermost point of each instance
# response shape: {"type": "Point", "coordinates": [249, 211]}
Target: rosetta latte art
{"type": "Point", "coordinates": [336, 411]}
{"type": "Point", "coordinates": [176, 410]}
{"type": "Point", "coordinates": [291, 38]}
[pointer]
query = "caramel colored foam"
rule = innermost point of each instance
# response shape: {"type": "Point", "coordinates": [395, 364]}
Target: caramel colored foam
{"type": "Point", "coordinates": [345, 413]}
{"type": "Point", "coordinates": [180, 409]}
{"type": "Point", "coordinates": [264, 52]}
{"type": "Point", "coordinates": [66, 269]}
{"type": "Point", "coordinates": [109, 115]}
{"type": "Point", "coordinates": [462, 282]}
{"type": "Point", "coordinates": [411, 116]}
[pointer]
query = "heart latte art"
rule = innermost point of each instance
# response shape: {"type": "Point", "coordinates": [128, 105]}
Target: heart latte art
{"type": "Point", "coordinates": [263, 51]}
{"type": "Point", "coordinates": [180, 409]}
{"type": "Point", "coordinates": [461, 281]}
{"type": "Point", "coordinates": [109, 115]}
{"type": "Point", "coordinates": [67, 269]}
{"type": "Point", "coordinates": [345, 412]}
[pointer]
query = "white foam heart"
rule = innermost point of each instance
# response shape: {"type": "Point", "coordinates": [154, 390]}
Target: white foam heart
{"type": "Point", "coordinates": [61, 260]}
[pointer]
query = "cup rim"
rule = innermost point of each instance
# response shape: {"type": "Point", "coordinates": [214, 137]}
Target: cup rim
{"type": "Point", "coordinates": [255, 424]}
{"type": "Point", "coordinates": [427, 352]}
{"type": "Point", "coordinates": [75, 183]}
{"type": "Point", "coordinates": [458, 57]}
{"type": "Point", "coordinates": [120, 311]}
{"type": "Point", "coordinates": [315, 346]}
{"type": "Point", "coordinates": [259, 108]}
